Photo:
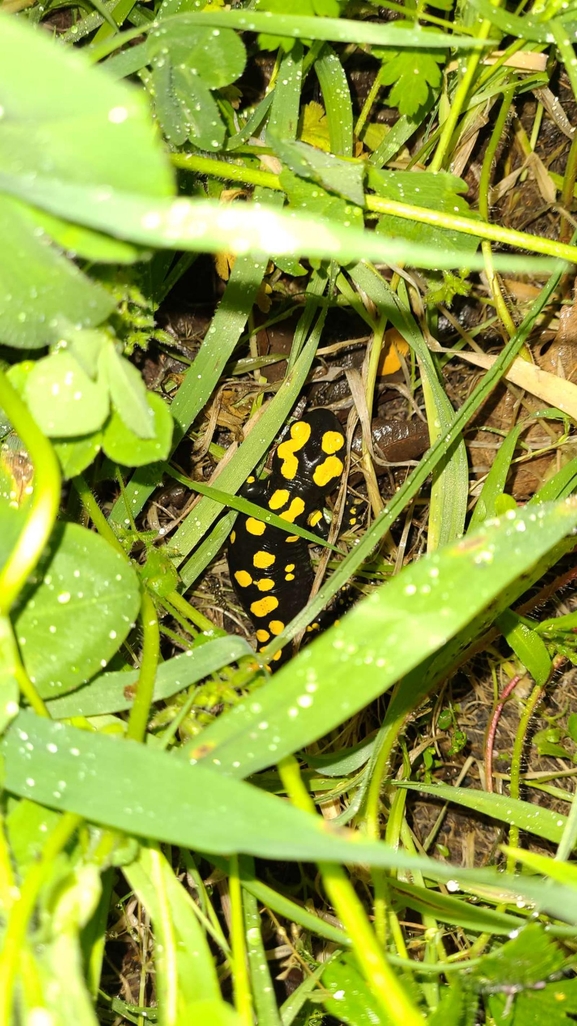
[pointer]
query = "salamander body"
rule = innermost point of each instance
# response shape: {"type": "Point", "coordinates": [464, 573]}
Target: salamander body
{"type": "Point", "coordinates": [270, 570]}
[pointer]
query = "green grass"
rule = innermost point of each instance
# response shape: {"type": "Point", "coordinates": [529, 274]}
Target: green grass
{"type": "Point", "coordinates": [226, 825]}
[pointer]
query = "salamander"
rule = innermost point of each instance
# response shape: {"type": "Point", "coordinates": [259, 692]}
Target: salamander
{"type": "Point", "coordinates": [270, 570]}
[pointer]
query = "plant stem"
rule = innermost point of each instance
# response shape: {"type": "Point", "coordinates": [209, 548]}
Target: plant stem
{"type": "Point", "coordinates": [484, 188]}
{"type": "Point", "coordinates": [380, 205]}
{"type": "Point", "coordinates": [239, 960]}
{"type": "Point", "coordinates": [516, 761]}
{"type": "Point", "coordinates": [391, 995]}
{"type": "Point", "coordinates": [96, 515]}
{"type": "Point", "coordinates": [568, 190]}
{"type": "Point", "coordinates": [21, 912]}
{"type": "Point", "coordinates": [191, 614]}
{"type": "Point", "coordinates": [458, 102]}
{"type": "Point", "coordinates": [139, 713]}
{"type": "Point", "coordinates": [43, 510]}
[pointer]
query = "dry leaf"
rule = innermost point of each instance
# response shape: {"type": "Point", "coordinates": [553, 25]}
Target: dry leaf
{"type": "Point", "coordinates": [554, 391]}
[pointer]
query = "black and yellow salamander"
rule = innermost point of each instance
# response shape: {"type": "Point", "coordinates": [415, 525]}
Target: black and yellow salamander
{"type": "Point", "coordinates": [270, 570]}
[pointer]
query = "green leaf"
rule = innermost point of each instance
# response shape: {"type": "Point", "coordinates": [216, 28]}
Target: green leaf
{"type": "Point", "coordinates": [123, 446]}
{"type": "Point", "coordinates": [383, 637]}
{"type": "Point", "coordinates": [128, 392]}
{"type": "Point", "coordinates": [62, 398]}
{"type": "Point", "coordinates": [138, 789]}
{"type": "Point", "coordinates": [97, 133]}
{"type": "Point", "coordinates": [76, 454]}
{"type": "Point", "coordinates": [37, 283]}
{"type": "Point", "coordinates": [450, 909]}
{"type": "Point", "coordinates": [496, 479]}
{"type": "Point", "coordinates": [9, 660]}
{"type": "Point", "coordinates": [351, 998]}
{"type": "Point", "coordinates": [185, 971]}
{"type": "Point", "coordinates": [345, 177]}
{"type": "Point", "coordinates": [337, 100]}
{"type": "Point", "coordinates": [525, 26]}
{"type": "Point", "coordinates": [414, 75]}
{"type": "Point", "coordinates": [527, 645]}
{"type": "Point", "coordinates": [440, 192]}
{"type": "Point", "coordinates": [456, 1007]}
{"type": "Point", "coordinates": [66, 997]}
{"type": "Point", "coordinates": [554, 1004]}
{"type": "Point", "coordinates": [112, 692]}
{"type": "Point", "coordinates": [27, 825]}
{"type": "Point", "coordinates": [186, 108]}
{"type": "Point", "coordinates": [521, 962]}
{"type": "Point", "coordinates": [93, 246]}
{"type": "Point", "coordinates": [217, 347]}
{"type": "Point", "coordinates": [187, 62]}
{"type": "Point", "coordinates": [312, 198]}
{"type": "Point", "coordinates": [217, 56]}
{"type": "Point", "coordinates": [534, 819]}
{"type": "Point", "coordinates": [307, 8]}
{"type": "Point", "coordinates": [205, 225]}
{"type": "Point", "coordinates": [76, 610]}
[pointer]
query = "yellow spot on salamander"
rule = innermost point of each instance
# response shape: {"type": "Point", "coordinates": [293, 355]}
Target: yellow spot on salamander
{"type": "Point", "coordinates": [243, 578]}
{"type": "Point", "coordinates": [251, 478]}
{"type": "Point", "coordinates": [325, 472]}
{"type": "Point", "coordinates": [264, 606]}
{"type": "Point", "coordinates": [255, 526]}
{"type": "Point", "coordinates": [313, 518]}
{"type": "Point", "coordinates": [232, 537]}
{"type": "Point", "coordinates": [289, 568]}
{"type": "Point", "coordinates": [296, 507]}
{"type": "Point", "coordinates": [300, 434]}
{"type": "Point", "coordinates": [278, 499]}
{"type": "Point", "coordinates": [289, 577]}
{"type": "Point", "coordinates": [292, 538]}
{"type": "Point", "coordinates": [262, 560]}
{"type": "Point", "coordinates": [265, 584]}
{"type": "Point", "coordinates": [332, 441]}
{"type": "Point", "coordinates": [262, 635]}
{"type": "Point", "coordinates": [276, 627]}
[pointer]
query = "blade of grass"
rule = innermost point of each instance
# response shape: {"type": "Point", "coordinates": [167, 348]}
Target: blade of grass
{"type": "Point", "coordinates": [200, 381]}
{"type": "Point", "coordinates": [337, 101]}
{"type": "Point", "coordinates": [534, 819]}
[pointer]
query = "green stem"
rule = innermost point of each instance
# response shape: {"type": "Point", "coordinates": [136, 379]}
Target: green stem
{"type": "Point", "coordinates": [565, 47]}
{"type": "Point", "coordinates": [458, 102]}
{"type": "Point", "coordinates": [192, 615]}
{"type": "Point", "coordinates": [389, 733]}
{"type": "Point", "coordinates": [517, 759]}
{"type": "Point", "coordinates": [43, 510]}
{"type": "Point", "coordinates": [23, 908]}
{"type": "Point", "coordinates": [139, 713]}
{"type": "Point", "coordinates": [389, 992]}
{"type": "Point", "coordinates": [96, 515]}
{"type": "Point", "coordinates": [484, 187]}
{"type": "Point", "coordinates": [568, 190]}
{"type": "Point", "coordinates": [380, 205]}
{"type": "Point", "coordinates": [239, 960]}
{"type": "Point", "coordinates": [223, 169]}
{"type": "Point", "coordinates": [496, 138]}
{"type": "Point", "coordinates": [368, 104]}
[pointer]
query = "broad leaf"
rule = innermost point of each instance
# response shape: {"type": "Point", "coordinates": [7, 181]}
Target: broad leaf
{"type": "Point", "coordinates": [63, 400]}
{"type": "Point", "coordinates": [124, 446]}
{"type": "Point", "coordinates": [385, 636]}
{"type": "Point", "coordinates": [37, 283]}
{"type": "Point", "coordinates": [76, 610]}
